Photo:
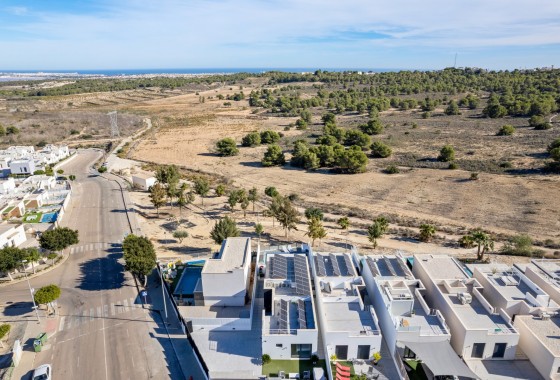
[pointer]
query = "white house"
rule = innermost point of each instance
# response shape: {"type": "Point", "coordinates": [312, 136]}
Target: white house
{"type": "Point", "coordinates": [41, 181]}
{"type": "Point", "coordinates": [143, 181]}
{"type": "Point", "coordinates": [289, 327]}
{"type": "Point", "coordinates": [11, 235]}
{"type": "Point", "coordinates": [7, 186]}
{"type": "Point", "coordinates": [23, 166]}
{"type": "Point", "coordinates": [411, 328]}
{"type": "Point", "coordinates": [478, 330]}
{"type": "Point", "coordinates": [545, 274]}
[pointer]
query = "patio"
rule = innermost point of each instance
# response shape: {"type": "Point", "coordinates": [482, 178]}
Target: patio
{"type": "Point", "coordinates": [290, 366]}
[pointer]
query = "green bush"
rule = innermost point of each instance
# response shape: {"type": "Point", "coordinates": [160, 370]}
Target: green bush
{"type": "Point", "coordinates": [453, 166]}
{"type": "Point", "coordinates": [520, 245]}
{"type": "Point", "coordinates": [251, 139]}
{"type": "Point", "coordinates": [380, 150]}
{"type": "Point", "coordinates": [392, 169]}
{"type": "Point", "coordinates": [271, 191]}
{"type": "Point", "coordinates": [4, 330]}
{"type": "Point", "coordinates": [227, 147]}
{"type": "Point", "coordinates": [269, 137]}
{"type": "Point", "coordinates": [273, 156]}
{"type": "Point", "coordinates": [506, 130]}
{"type": "Point", "coordinates": [446, 154]}
{"type": "Point", "coordinates": [47, 294]}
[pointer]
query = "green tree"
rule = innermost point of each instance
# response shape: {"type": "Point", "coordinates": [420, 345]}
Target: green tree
{"type": "Point", "coordinates": [506, 130]}
{"type": "Point", "coordinates": [377, 229]}
{"type": "Point", "coordinates": [180, 235]}
{"type": "Point", "coordinates": [520, 245]}
{"type": "Point", "coordinates": [57, 239]}
{"type": "Point", "coordinates": [269, 137]}
{"type": "Point", "coordinates": [284, 211]}
{"type": "Point", "coordinates": [344, 223]}
{"type": "Point", "coordinates": [380, 150]}
{"type": "Point", "coordinates": [315, 230]}
{"type": "Point", "coordinates": [494, 111]}
{"type": "Point", "coordinates": [139, 256]}
{"type": "Point", "coordinates": [32, 255]}
{"type": "Point", "coordinates": [481, 240]}
{"type": "Point", "coordinates": [253, 196]}
{"type": "Point", "coordinates": [446, 154]}
{"type": "Point", "coordinates": [10, 259]}
{"type": "Point", "coordinates": [373, 127]}
{"type": "Point", "coordinates": [266, 359]}
{"type": "Point", "coordinates": [220, 190]}
{"type": "Point", "coordinates": [301, 124]}
{"type": "Point", "coordinates": [251, 139]}
{"type": "Point", "coordinates": [538, 122]}
{"type": "Point", "coordinates": [427, 232]}
{"type": "Point", "coordinates": [52, 256]}
{"type": "Point", "coordinates": [351, 161]}
{"type": "Point", "coordinates": [227, 147]}
{"type": "Point", "coordinates": [12, 130]}
{"type": "Point", "coordinates": [357, 138]}
{"type": "Point", "coordinates": [224, 228]}
{"type": "Point", "coordinates": [328, 118]}
{"type": "Point", "coordinates": [313, 212]}
{"type": "Point", "coordinates": [102, 169]}
{"type": "Point", "coordinates": [47, 295]}
{"type": "Point", "coordinates": [259, 229]}
{"type": "Point", "coordinates": [201, 187]}
{"type": "Point", "coordinates": [2, 130]}
{"type": "Point", "coordinates": [157, 196]}
{"type": "Point", "coordinates": [72, 177]}
{"type": "Point", "coordinates": [305, 115]}
{"type": "Point", "coordinates": [273, 156]}
{"type": "Point", "coordinates": [271, 191]}
{"type": "Point", "coordinates": [452, 108]}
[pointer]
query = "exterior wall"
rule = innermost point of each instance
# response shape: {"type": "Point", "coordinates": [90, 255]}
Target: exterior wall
{"type": "Point", "coordinates": [334, 339]}
{"type": "Point", "coordinates": [7, 186]}
{"type": "Point", "coordinates": [550, 289]}
{"type": "Point", "coordinates": [225, 289]}
{"type": "Point", "coordinates": [22, 167]}
{"type": "Point", "coordinates": [13, 237]}
{"type": "Point", "coordinates": [143, 183]}
{"type": "Point", "coordinates": [482, 336]}
{"type": "Point", "coordinates": [270, 342]}
{"type": "Point", "coordinates": [538, 354]}
{"type": "Point", "coordinates": [220, 324]}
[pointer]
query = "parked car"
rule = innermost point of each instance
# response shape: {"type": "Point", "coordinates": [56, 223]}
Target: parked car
{"type": "Point", "coordinates": [42, 372]}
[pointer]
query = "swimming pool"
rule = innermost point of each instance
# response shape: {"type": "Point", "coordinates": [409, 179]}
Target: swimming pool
{"type": "Point", "coordinates": [187, 283]}
{"type": "Point", "coordinates": [49, 217]}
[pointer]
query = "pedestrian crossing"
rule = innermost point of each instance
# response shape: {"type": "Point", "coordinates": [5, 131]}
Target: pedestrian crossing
{"type": "Point", "coordinates": [94, 247]}
{"type": "Point", "coordinates": [86, 315]}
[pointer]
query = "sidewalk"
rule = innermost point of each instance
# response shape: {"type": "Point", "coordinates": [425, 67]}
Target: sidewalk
{"type": "Point", "coordinates": [33, 329]}
{"type": "Point", "coordinates": [180, 344]}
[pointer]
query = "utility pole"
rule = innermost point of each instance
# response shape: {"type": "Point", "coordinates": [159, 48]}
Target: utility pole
{"type": "Point", "coordinates": [163, 294]}
{"type": "Point", "coordinates": [31, 292]}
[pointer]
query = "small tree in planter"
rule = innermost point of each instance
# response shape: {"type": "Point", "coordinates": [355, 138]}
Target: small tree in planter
{"type": "Point", "coordinates": [376, 357]}
{"type": "Point", "coordinates": [4, 331]}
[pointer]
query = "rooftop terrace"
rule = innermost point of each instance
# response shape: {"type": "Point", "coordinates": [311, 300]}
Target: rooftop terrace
{"type": "Point", "coordinates": [233, 255]}
{"type": "Point", "coordinates": [546, 330]}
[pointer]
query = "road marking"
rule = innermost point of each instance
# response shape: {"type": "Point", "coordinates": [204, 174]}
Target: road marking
{"type": "Point", "coordinates": [125, 303]}
{"type": "Point", "coordinates": [112, 308]}
{"type": "Point", "coordinates": [91, 314]}
{"type": "Point", "coordinates": [61, 325]}
{"type": "Point", "coordinates": [105, 311]}
{"type": "Point", "coordinates": [98, 311]}
{"type": "Point", "coordinates": [69, 322]}
{"type": "Point", "coordinates": [105, 350]}
{"type": "Point", "coordinates": [83, 316]}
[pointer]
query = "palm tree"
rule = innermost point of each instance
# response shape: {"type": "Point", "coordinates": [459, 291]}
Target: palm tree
{"type": "Point", "coordinates": [315, 230]}
{"type": "Point", "coordinates": [483, 241]}
{"type": "Point", "coordinates": [427, 232]}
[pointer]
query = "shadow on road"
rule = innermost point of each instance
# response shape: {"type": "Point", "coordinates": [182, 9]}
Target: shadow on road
{"type": "Point", "coordinates": [102, 273]}
{"type": "Point", "coordinates": [18, 308]}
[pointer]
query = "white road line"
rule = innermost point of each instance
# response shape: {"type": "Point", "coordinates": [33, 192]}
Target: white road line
{"type": "Point", "coordinates": [83, 316]}
{"type": "Point", "coordinates": [69, 322]}
{"type": "Point", "coordinates": [112, 308]}
{"type": "Point", "coordinates": [105, 350]}
{"type": "Point", "coordinates": [91, 314]}
{"type": "Point", "coordinates": [98, 311]}
{"type": "Point", "coordinates": [61, 324]}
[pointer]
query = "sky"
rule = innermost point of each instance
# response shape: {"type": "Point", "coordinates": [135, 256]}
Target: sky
{"type": "Point", "coordinates": [361, 34]}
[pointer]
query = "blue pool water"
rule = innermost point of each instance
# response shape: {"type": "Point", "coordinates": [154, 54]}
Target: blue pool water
{"type": "Point", "coordinates": [190, 277]}
{"type": "Point", "coordinates": [49, 217]}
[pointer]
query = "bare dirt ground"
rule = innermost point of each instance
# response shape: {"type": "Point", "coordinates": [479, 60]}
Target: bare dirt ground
{"type": "Point", "coordinates": [506, 204]}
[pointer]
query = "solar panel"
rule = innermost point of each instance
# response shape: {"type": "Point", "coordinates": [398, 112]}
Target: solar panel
{"type": "Point", "coordinates": [320, 260]}
{"type": "Point", "coordinates": [302, 275]}
{"type": "Point", "coordinates": [349, 265]}
{"type": "Point", "coordinates": [280, 267]}
{"type": "Point", "coordinates": [372, 267]}
{"type": "Point", "coordinates": [389, 266]}
{"type": "Point", "coordinates": [301, 314]}
{"type": "Point", "coordinates": [334, 262]}
{"type": "Point", "coordinates": [403, 267]}
{"type": "Point", "coordinates": [284, 316]}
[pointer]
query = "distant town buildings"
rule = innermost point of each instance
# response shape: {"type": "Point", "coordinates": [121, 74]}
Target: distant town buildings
{"type": "Point", "coordinates": [24, 160]}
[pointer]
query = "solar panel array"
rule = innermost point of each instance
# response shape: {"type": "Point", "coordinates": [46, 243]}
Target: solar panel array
{"type": "Point", "coordinates": [349, 265]}
{"type": "Point", "coordinates": [372, 267]}
{"type": "Point", "coordinates": [302, 275]}
{"type": "Point", "coordinates": [334, 263]}
{"type": "Point", "coordinates": [321, 269]}
{"type": "Point", "coordinates": [389, 266]}
{"type": "Point", "coordinates": [301, 314]}
{"type": "Point", "coordinates": [284, 316]}
{"type": "Point", "coordinates": [280, 266]}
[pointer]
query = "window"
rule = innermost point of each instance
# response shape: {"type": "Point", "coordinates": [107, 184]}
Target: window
{"type": "Point", "coordinates": [341, 352]}
{"type": "Point", "coordinates": [301, 351]}
{"type": "Point", "coordinates": [363, 352]}
{"type": "Point", "coordinates": [499, 350]}
{"type": "Point", "coordinates": [478, 350]}
{"type": "Point", "coordinates": [408, 354]}
{"type": "Point", "coordinates": [279, 345]}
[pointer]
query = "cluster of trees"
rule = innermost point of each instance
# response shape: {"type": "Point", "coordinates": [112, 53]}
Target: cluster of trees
{"type": "Point", "coordinates": [12, 258]}
{"type": "Point", "coordinates": [58, 239]}
{"type": "Point", "coordinates": [253, 139]}
{"type": "Point", "coordinates": [168, 187]}
{"type": "Point", "coordinates": [554, 152]}
{"type": "Point", "coordinates": [521, 104]}
{"type": "Point", "coordinates": [139, 256]}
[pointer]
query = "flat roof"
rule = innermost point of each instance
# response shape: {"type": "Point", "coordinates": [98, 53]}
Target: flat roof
{"type": "Point", "coordinates": [334, 264]}
{"type": "Point", "coordinates": [440, 267]}
{"type": "Point", "coordinates": [347, 315]}
{"type": "Point", "coordinates": [215, 311]}
{"type": "Point", "coordinates": [233, 255]}
{"type": "Point", "coordinates": [474, 315]}
{"type": "Point", "coordinates": [5, 227]}
{"type": "Point", "coordinates": [546, 330]}
{"type": "Point", "coordinates": [143, 175]}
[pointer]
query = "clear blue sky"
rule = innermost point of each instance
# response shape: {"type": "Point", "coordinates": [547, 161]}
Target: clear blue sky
{"type": "Point", "coordinates": [410, 34]}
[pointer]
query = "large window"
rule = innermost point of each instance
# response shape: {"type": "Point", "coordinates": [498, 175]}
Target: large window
{"type": "Point", "coordinates": [499, 350]}
{"type": "Point", "coordinates": [363, 352]}
{"type": "Point", "coordinates": [341, 352]}
{"type": "Point", "coordinates": [408, 354]}
{"type": "Point", "coordinates": [478, 350]}
{"type": "Point", "coordinates": [301, 351]}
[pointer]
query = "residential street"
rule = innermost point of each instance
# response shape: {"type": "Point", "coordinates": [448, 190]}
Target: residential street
{"type": "Point", "coordinates": [103, 331]}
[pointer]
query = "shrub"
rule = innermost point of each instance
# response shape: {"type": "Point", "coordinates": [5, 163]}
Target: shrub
{"type": "Point", "coordinates": [352, 160]}
{"type": "Point", "coordinates": [227, 147]}
{"type": "Point", "coordinates": [271, 191]}
{"type": "Point", "coordinates": [220, 190]}
{"type": "Point", "coordinates": [12, 130]}
{"type": "Point", "coordinates": [373, 127]}
{"type": "Point", "coordinates": [506, 130]}
{"type": "Point", "coordinates": [47, 294]}
{"type": "Point", "coordinates": [4, 330]}
{"type": "Point", "coordinates": [223, 229]}
{"type": "Point", "coordinates": [266, 359]}
{"type": "Point", "coordinates": [452, 108]}
{"type": "Point", "coordinates": [446, 154]}
{"type": "Point", "coordinates": [453, 166]}
{"type": "Point", "coordinates": [102, 169]}
{"type": "Point", "coordinates": [301, 124]}
{"type": "Point", "coordinates": [520, 245]}
{"type": "Point", "coordinates": [273, 156]}
{"type": "Point", "coordinates": [269, 137]}
{"type": "Point", "coordinates": [251, 139]}
{"type": "Point", "coordinates": [474, 176]}
{"type": "Point", "coordinates": [357, 138]}
{"type": "Point", "coordinates": [313, 212]}
{"type": "Point", "coordinates": [392, 169]}
{"type": "Point", "coordinates": [380, 150]}
{"type": "Point", "coordinates": [42, 144]}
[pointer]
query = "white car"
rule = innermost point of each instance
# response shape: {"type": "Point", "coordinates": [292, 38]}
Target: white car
{"type": "Point", "coordinates": [42, 372]}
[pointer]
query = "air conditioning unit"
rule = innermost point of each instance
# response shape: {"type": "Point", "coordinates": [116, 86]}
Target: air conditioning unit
{"type": "Point", "coordinates": [465, 298]}
{"type": "Point", "coordinates": [544, 315]}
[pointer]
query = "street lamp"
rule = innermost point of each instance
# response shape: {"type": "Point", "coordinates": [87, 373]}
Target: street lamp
{"type": "Point", "coordinates": [31, 291]}
{"type": "Point", "coordinates": [163, 293]}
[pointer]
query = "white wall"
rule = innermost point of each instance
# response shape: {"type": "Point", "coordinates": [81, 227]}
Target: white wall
{"type": "Point", "coordinates": [22, 167]}
{"type": "Point", "coordinates": [143, 183]}
{"type": "Point", "coordinates": [269, 343]}
{"type": "Point", "coordinates": [225, 289]}
{"type": "Point", "coordinates": [13, 237]}
{"type": "Point", "coordinates": [7, 185]}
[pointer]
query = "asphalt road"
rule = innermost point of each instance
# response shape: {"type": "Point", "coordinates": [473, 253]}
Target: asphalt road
{"type": "Point", "coordinates": [103, 331]}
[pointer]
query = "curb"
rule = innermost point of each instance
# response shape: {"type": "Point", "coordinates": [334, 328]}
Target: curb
{"type": "Point", "coordinates": [21, 279]}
